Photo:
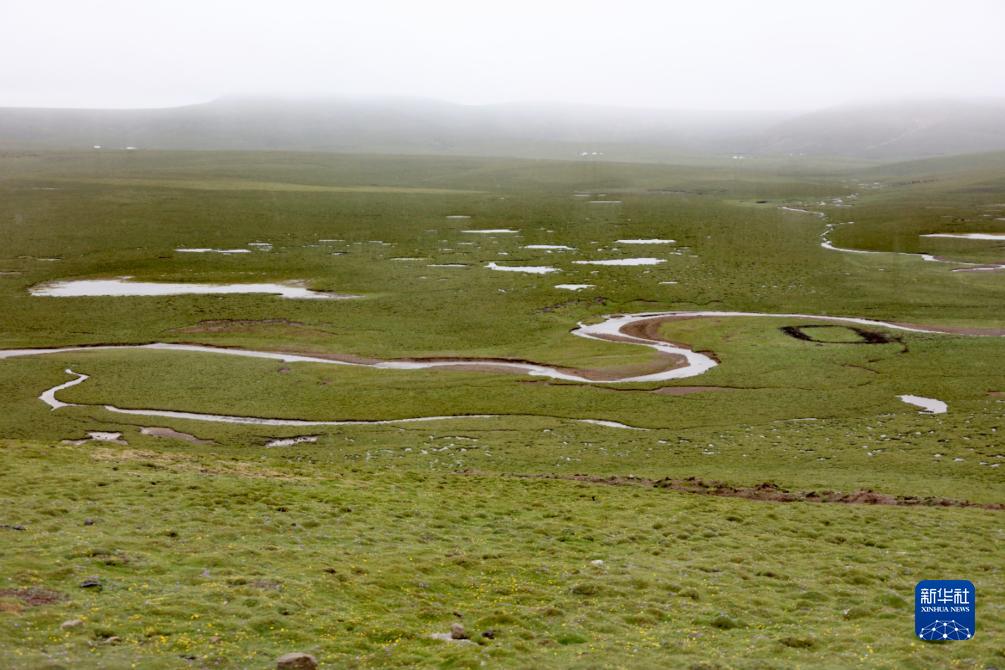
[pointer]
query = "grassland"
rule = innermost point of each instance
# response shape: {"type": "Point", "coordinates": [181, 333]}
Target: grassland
{"type": "Point", "coordinates": [358, 546]}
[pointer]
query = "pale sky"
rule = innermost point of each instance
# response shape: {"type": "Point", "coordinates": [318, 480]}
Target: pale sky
{"type": "Point", "coordinates": [698, 54]}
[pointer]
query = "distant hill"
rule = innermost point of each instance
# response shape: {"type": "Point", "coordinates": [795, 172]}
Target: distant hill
{"type": "Point", "coordinates": [394, 125]}
{"type": "Point", "coordinates": [912, 129]}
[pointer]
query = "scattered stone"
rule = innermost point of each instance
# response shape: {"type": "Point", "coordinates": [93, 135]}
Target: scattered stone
{"type": "Point", "coordinates": [296, 661]}
{"type": "Point", "coordinates": [267, 584]}
{"type": "Point", "coordinates": [490, 634]}
{"type": "Point", "coordinates": [446, 637]}
{"type": "Point", "coordinates": [291, 441]}
{"type": "Point", "coordinates": [114, 639]}
{"type": "Point", "coordinates": [599, 563]}
{"type": "Point", "coordinates": [88, 522]}
{"type": "Point", "coordinates": [92, 583]}
{"type": "Point", "coordinates": [15, 526]}
{"type": "Point", "coordinates": [457, 632]}
{"type": "Point", "coordinates": [71, 623]}
{"type": "Point", "coordinates": [98, 436]}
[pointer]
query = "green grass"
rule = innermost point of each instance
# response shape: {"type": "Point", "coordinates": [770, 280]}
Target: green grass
{"type": "Point", "coordinates": [356, 547]}
{"type": "Point", "coordinates": [250, 557]}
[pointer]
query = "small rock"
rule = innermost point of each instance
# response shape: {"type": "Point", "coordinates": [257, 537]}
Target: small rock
{"type": "Point", "coordinates": [445, 637]}
{"type": "Point", "coordinates": [597, 563]}
{"type": "Point", "coordinates": [88, 522]}
{"type": "Point", "coordinates": [71, 623]}
{"type": "Point", "coordinates": [457, 632]}
{"type": "Point", "coordinates": [92, 583]}
{"type": "Point", "coordinates": [115, 639]}
{"type": "Point", "coordinates": [296, 661]}
{"type": "Point", "coordinates": [490, 634]}
{"type": "Point", "coordinates": [215, 639]}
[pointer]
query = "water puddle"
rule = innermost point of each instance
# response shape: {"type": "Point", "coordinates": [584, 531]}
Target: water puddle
{"type": "Point", "coordinates": [1000, 237]}
{"type": "Point", "coordinates": [529, 269]}
{"type": "Point", "coordinates": [927, 405]}
{"type": "Point", "coordinates": [200, 250]}
{"type": "Point", "coordinates": [609, 424]}
{"type": "Point", "coordinates": [799, 210]}
{"type": "Point", "coordinates": [652, 241]}
{"type": "Point", "coordinates": [126, 288]}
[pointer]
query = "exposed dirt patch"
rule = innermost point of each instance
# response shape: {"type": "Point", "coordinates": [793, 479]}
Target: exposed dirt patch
{"type": "Point", "coordinates": [649, 329]}
{"type": "Point", "coordinates": [657, 363]}
{"type": "Point", "coordinates": [671, 390]}
{"type": "Point", "coordinates": [806, 334]}
{"type": "Point", "coordinates": [766, 491]}
{"type": "Point", "coordinates": [772, 492]}
{"type": "Point", "coordinates": [32, 596]}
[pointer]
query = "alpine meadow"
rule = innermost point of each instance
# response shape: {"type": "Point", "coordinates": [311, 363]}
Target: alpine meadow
{"type": "Point", "coordinates": [368, 382]}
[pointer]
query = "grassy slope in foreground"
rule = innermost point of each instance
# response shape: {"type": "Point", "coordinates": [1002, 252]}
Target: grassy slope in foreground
{"type": "Point", "coordinates": [249, 558]}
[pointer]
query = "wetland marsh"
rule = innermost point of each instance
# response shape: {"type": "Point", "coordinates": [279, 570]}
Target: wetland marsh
{"type": "Point", "coordinates": [723, 421]}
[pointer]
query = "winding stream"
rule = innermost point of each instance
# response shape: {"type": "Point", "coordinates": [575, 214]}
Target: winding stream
{"type": "Point", "coordinates": [49, 398]}
{"type": "Point", "coordinates": [614, 328]}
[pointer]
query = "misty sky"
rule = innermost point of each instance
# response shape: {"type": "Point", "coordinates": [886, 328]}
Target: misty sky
{"type": "Point", "coordinates": [699, 54]}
